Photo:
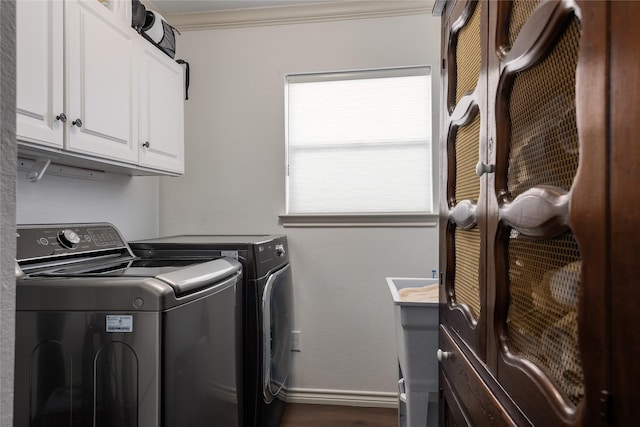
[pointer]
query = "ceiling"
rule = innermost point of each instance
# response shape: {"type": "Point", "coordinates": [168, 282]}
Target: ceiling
{"type": "Point", "coordinates": [170, 7]}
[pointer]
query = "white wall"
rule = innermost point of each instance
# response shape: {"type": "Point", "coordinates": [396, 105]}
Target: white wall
{"type": "Point", "coordinates": [130, 203]}
{"type": "Point", "coordinates": [234, 183]}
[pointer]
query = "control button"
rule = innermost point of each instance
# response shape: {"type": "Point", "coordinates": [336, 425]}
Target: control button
{"type": "Point", "coordinates": [280, 250]}
{"type": "Point", "coordinates": [138, 302]}
{"type": "Point", "coordinates": [44, 241]}
{"type": "Point", "coordinates": [68, 238]}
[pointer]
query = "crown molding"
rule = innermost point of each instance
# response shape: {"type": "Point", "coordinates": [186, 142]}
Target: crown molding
{"type": "Point", "coordinates": [301, 13]}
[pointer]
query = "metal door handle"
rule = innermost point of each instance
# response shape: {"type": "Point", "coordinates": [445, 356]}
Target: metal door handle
{"type": "Point", "coordinates": [77, 122]}
{"type": "Point", "coordinates": [146, 144]}
{"type": "Point", "coordinates": [62, 117]}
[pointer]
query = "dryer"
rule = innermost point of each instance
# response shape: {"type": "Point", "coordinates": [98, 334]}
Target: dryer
{"type": "Point", "coordinates": [266, 317]}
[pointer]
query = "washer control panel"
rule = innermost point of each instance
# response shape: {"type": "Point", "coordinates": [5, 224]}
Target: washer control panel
{"type": "Point", "coordinates": [42, 241]}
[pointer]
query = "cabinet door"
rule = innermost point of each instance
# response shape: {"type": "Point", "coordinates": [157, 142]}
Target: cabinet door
{"type": "Point", "coordinates": [533, 249]}
{"type": "Point", "coordinates": [39, 67]}
{"type": "Point", "coordinates": [101, 82]}
{"type": "Point", "coordinates": [461, 229]}
{"type": "Point", "coordinates": [470, 393]}
{"type": "Point", "coordinates": [161, 138]}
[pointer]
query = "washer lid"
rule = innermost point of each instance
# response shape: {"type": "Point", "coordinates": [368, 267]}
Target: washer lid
{"type": "Point", "coordinates": [183, 275]}
{"type": "Point", "coordinates": [199, 276]}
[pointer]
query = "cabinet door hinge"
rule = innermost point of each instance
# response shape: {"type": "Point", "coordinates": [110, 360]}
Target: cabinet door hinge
{"type": "Point", "coordinates": [605, 405]}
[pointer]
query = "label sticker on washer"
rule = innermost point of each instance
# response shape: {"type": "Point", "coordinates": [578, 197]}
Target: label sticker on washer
{"type": "Point", "coordinates": [122, 323]}
{"type": "Point", "coordinates": [230, 254]}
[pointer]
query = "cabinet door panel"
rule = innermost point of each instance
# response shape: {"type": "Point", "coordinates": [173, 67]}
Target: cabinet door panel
{"type": "Point", "coordinates": [464, 120]}
{"type": "Point", "coordinates": [39, 91]}
{"type": "Point", "coordinates": [465, 54]}
{"type": "Point", "coordinates": [466, 284]}
{"type": "Point", "coordinates": [161, 111]}
{"type": "Point", "coordinates": [538, 268]}
{"type": "Point", "coordinates": [101, 79]}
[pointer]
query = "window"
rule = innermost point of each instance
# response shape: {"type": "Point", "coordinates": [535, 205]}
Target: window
{"type": "Point", "coordinates": [359, 142]}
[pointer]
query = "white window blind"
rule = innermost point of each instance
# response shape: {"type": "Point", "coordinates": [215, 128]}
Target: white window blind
{"type": "Point", "coordinates": [359, 142]}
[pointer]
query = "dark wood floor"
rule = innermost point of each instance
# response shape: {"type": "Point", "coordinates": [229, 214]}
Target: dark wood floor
{"type": "Point", "coordinates": [300, 415]}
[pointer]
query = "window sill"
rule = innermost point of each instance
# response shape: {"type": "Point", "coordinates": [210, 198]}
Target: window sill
{"type": "Point", "coordinates": [359, 220]}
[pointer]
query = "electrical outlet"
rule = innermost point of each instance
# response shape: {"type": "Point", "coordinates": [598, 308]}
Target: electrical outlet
{"type": "Point", "coordinates": [295, 341]}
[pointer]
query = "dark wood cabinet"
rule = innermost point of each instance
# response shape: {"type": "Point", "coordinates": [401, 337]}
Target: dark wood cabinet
{"type": "Point", "coordinates": [539, 213]}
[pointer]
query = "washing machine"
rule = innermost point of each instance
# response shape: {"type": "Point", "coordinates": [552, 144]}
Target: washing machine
{"type": "Point", "coordinates": [104, 338]}
{"type": "Point", "coordinates": [266, 316]}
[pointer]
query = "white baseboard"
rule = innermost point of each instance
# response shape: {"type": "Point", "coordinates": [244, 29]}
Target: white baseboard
{"type": "Point", "coordinates": [342, 397]}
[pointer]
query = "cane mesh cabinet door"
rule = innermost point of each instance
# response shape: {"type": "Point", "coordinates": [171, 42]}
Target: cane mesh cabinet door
{"type": "Point", "coordinates": [461, 231]}
{"type": "Point", "coordinates": [519, 314]}
{"type": "Point", "coordinates": [536, 257]}
{"type": "Point", "coordinates": [463, 223]}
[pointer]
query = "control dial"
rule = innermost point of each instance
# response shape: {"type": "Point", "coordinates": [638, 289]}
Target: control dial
{"type": "Point", "coordinates": [68, 238]}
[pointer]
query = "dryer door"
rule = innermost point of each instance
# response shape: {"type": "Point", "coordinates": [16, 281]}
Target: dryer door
{"type": "Point", "coordinates": [277, 317]}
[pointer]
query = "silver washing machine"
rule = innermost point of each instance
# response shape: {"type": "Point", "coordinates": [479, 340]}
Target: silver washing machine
{"type": "Point", "coordinates": [104, 338]}
{"type": "Point", "coordinates": [266, 317]}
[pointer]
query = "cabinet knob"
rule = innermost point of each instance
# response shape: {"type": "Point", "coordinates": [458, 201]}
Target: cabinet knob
{"type": "Point", "coordinates": [146, 144]}
{"type": "Point", "coordinates": [62, 117]}
{"type": "Point", "coordinates": [482, 168]}
{"type": "Point", "coordinates": [443, 355]}
{"type": "Point", "coordinates": [77, 122]}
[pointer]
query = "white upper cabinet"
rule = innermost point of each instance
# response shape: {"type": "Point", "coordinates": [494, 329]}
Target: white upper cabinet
{"type": "Point", "coordinates": [161, 132]}
{"type": "Point", "coordinates": [100, 81]}
{"type": "Point", "coordinates": [93, 93]}
{"type": "Point", "coordinates": [39, 67]}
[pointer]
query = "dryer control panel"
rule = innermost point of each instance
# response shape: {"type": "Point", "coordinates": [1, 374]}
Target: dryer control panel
{"type": "Point", "coordinates": [271, 255]}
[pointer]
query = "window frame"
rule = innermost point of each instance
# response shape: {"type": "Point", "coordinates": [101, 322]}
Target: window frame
{"type": "Point", "coordinates": [400, 219]}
